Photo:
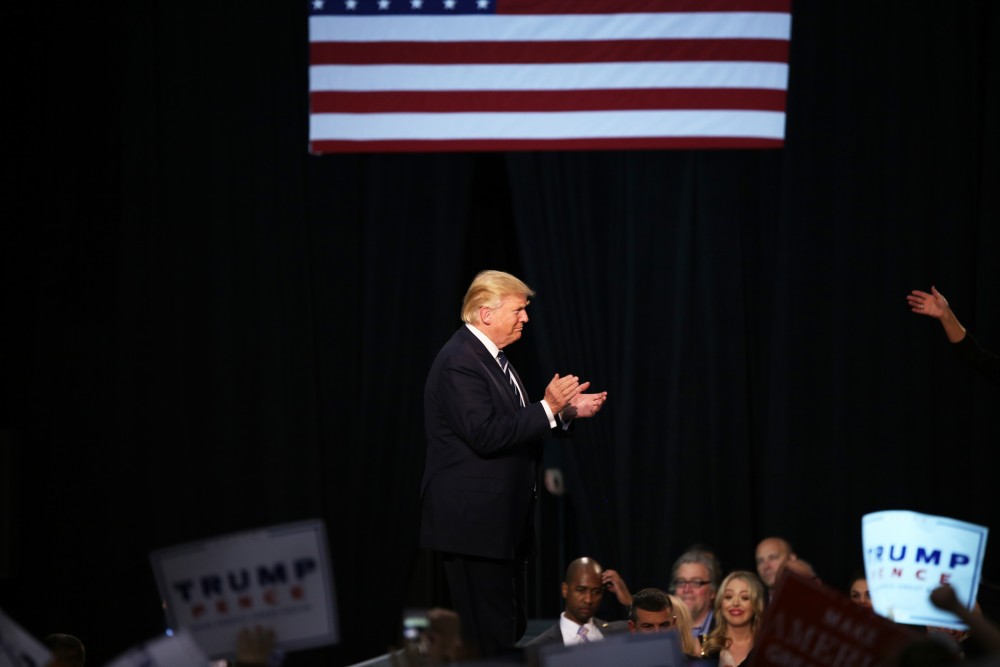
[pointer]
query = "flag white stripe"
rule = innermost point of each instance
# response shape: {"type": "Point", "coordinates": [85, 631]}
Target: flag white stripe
{"type": "Point", "coordinates": [463, 28]}
{"type": "Point", "coordinates": [559, 76]}
{"type": "Point", "coordinates": [538, 125]}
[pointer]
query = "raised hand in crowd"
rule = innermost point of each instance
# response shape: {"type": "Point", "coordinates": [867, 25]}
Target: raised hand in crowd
{"type": "Point", "coordinates": [943, 597]}
{"type": "Point", "coordinates": [615, 585]}
{"type": "Point", "coordinates": [936, 306]}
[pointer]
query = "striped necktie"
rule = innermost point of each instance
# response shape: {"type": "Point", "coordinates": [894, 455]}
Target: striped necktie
{"type": "Point", "coordinates": [582, 634]}
{"type": "Point", "coordinates": [508, 371]}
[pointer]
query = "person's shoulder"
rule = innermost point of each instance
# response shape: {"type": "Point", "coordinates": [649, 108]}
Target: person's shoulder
{"type": "Point", "coordinates": [611, 627]}
{"type": "Point", "coordinates": [552, 635]}
{"type": "Point", "coordinates": [463, 339]}
{"type": "Point", "coordinates": [463, 348]}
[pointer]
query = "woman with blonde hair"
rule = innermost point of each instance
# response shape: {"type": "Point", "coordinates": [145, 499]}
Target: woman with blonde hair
{"type": "Point", "coordinates": [739, 609]}
{"type": "Point", "coordinates": [689, 643]}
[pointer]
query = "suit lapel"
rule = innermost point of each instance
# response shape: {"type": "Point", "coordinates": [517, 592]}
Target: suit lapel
{"type": "Point", "coordinates": [493, 369]}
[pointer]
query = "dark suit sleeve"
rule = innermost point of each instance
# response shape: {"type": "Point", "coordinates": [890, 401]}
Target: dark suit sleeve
{"type": "Point", "coordinates": [467, 395]}
{"type": "Point", "coordinates": [552, 635]}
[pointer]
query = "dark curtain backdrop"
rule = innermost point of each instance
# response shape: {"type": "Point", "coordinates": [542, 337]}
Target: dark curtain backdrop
{"type": "Point", "coordinates": [205, 329]}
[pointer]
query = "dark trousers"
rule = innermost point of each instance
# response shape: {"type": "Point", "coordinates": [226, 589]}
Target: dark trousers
{"type": "Point", "coordinates": [490, 597]}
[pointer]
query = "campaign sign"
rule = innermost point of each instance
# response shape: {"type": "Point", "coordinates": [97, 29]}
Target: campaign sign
{"type": "Point", "coordinates": [908, 555]}
{"type": "Point", "coordinates": [177, 651]}
{"type": "Point", "coordinates": [278, 577]}
{"type": "Point", "coordinates": [18, 648]}
{"type": "Point", "coordinates": [654, 649]}
{"type": "Point", "coordinates": [808, 624]}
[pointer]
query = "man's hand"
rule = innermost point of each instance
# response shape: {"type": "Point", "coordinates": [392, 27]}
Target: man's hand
{"type": "Point", "coordinates": [615, 584]}
{"type": "Point", "coordinates": [586, 405]}
{"type": "Point", "coordinates": [562, 390]}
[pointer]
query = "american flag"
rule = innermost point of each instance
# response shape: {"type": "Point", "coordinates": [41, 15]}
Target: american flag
{"type": "Point", "coordinates": [470, 75]}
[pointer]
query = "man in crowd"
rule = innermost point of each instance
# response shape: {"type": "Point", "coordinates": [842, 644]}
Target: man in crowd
{"type": "Point", "coordinates": [695, 580]}
{"type": "Point", "coordinates": [582, 590]}
{"type": "Point", "coordinates": [772, 553]}
{"type": "Point", "coordinates": [651, 611]}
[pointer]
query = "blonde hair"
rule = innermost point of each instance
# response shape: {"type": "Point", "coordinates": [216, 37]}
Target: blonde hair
{"type": "Point", "coordinates": [488, 289]}
{"type": "Point", "coordinates": [718, 639]}
{"type": "Point", "coordinates": [685, 624]}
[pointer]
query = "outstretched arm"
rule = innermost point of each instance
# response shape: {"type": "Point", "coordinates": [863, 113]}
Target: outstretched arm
{"type": "Point", "coordinates": [936, 306]}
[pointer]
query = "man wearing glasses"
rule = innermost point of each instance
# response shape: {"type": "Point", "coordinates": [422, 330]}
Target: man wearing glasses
{"type": "Point", "coordinates": [695, 580]}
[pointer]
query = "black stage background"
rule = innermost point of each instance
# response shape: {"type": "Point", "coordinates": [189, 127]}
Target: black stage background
{"type": "Point", "coordinates": [205, 329]}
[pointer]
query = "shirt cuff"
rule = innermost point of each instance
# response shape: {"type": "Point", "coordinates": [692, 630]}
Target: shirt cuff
{"type": "Point", "coordinates": [549, 414]}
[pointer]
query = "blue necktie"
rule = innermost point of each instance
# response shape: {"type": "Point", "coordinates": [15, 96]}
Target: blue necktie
{"type": "Point", "coordinates": [505, 365]}
{"type": "Point", "coordinates": [582, 634]}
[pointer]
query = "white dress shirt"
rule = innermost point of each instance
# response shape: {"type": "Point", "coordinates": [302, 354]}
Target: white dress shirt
{"type": "Point", "coordinates": [571, 629]}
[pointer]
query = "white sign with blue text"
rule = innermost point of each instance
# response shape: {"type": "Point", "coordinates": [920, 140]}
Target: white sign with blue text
{"type": "Point", "coordinates": [277, 577]}
{"type": "Point", "coordinates": [908, 555]}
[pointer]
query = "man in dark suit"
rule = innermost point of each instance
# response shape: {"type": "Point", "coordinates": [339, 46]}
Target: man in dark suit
{"type": "Point", "coordinates": [582, 590]}
{"type": "Point", "coordinates": [482, 468]}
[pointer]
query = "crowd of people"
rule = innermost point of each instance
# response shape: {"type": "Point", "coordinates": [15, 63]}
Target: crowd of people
{"type": "Point", "coordinates": [717, 618]}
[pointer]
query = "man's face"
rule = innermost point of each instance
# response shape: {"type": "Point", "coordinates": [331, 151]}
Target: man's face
{"type": "Point", "coordinates": [771, 555]}
{"type": "Point", "coordinates": [583, 595]}
{"type": "Point", "coordinates": [507, 320]}
{"type": "Point", "coordinates": [697, 599]}
{"type": "Point", "coordinates": [652, 621]}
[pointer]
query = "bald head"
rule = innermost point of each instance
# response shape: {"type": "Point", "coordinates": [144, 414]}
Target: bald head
{"type": "Point", "coordinates": [582, 589]}
{"type": "Point", "coordinates": [772, 553]}
{"type": "Point", "coordinates": [582, 564]}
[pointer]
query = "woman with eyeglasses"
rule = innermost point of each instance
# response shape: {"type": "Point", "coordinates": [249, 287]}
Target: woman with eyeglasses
{"type": "Point", "coordinates": [739, 609]}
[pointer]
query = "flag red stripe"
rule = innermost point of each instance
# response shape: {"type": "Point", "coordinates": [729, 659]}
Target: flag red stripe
{"type": "Point", "coordinates": [638, 6]}
{"type": "Point", "coordinates": [540, 144]}
{"type": "Point", "coordinates": [544, 100]}
{"type": "Point", "coordinates": [631, 50]}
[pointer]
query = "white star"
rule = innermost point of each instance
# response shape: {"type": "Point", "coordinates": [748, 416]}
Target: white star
{"type": "Point", "coordinates": [483, 4]}
{"type": "Point", "coordinates": [383, 5]}
{"type": "Point", "coordinates": [351, 4]}
{"type": "Point", "coordinates": [317, 4]}
{"type": "Point", "coordinates": [416, 4]}
{"type": "Point", "coordinates": [449, 4]}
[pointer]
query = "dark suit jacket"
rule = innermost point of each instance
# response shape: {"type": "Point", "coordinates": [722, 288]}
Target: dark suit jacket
{"type": "Point", "coordinates": [482, 467]}
{"type": "Point", "coordinates": [553, 635]}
